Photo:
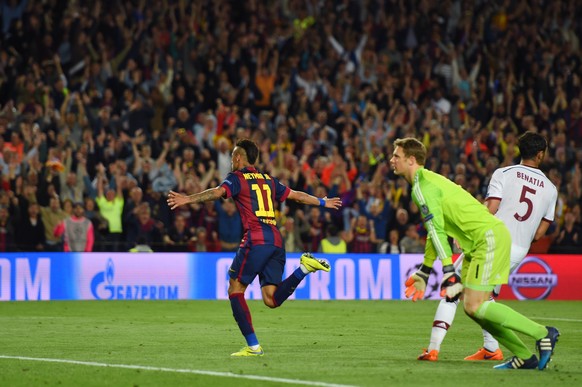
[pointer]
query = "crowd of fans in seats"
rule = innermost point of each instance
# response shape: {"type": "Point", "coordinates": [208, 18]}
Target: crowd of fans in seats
{"type": "Point", "coordinates": [106, 106]}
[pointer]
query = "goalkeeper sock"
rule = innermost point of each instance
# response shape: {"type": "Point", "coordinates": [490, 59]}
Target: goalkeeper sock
{"type": "Point", "coordinates": [489, 342]}
{"type": "Point", "coordinates": [509, 318]}
{"type": "Point", "coordinates": [288, 286]}
{"type": "Point", "coordinates": [443, 319]}
{"type": "Point", "coordinates": [242, 315]}
{"type": "Point", "coordinates": [506, 337]}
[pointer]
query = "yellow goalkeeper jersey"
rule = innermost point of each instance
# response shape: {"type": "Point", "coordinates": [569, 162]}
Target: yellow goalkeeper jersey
{"type": "Point", "coordinates": [448, 210]}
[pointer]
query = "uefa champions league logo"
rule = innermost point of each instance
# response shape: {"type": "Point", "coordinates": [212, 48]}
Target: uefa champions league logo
{"type": "Point", "coordinates": [432, 287]}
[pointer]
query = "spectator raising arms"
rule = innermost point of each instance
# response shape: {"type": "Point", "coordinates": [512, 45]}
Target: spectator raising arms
{"type": "Point", "coordinates": [160, 94]}
{"type": "Point", "coordinates": [110, 202]}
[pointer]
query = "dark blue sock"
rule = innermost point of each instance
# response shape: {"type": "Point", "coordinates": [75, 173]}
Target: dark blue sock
{"type": "Point", "coordinates": [242, 315]}
{"type": "Point", "coordinates": [251, 339]}
{"type": "Point", "coordinates": [287, 287]}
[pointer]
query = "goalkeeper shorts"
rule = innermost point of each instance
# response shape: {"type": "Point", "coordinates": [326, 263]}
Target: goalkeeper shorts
{"type": "Point", "coordinates": [488, 264]}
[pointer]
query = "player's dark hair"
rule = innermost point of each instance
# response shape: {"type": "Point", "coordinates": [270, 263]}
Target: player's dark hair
{"type": "Point", "coordinates": [250, 148]}
{"type": "Point", "coordinates": [530, 144]}
{"type": "Point", "coordinates": [412, 147]}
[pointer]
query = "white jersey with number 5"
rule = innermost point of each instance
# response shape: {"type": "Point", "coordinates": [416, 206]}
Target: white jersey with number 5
{"type": "Point", "coordinates": [527, 197]}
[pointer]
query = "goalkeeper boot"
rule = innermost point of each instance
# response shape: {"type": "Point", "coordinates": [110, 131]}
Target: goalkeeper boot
{"type": "Point", "coordinates": [546, 347]}
{"type": "Point", "coordinates": [484, 354]}
{"type": "Point", "coordinates": [515, 363]}
{"type": "Point", "coordinates": [312, 264]}
{"type": "Point", "coordinates": [248, 351]}
{"type": "Point", "coordinates": [432, 355]}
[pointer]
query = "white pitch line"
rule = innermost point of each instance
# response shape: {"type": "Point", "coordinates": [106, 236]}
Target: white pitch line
{"type": "Point", "coordinates": [557, 319]}
{"type": "Point", "coordinates": [178, 370]}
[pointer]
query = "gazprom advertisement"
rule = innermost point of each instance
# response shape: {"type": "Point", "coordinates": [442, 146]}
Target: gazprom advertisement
{"type": "Point", "coordinates": [172, 276]}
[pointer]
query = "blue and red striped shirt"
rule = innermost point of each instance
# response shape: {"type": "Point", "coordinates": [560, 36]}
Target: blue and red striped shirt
{"type": "Point", "coordinates": [255, 194]}
{"type": "Point", "coordinates": [362, 242]}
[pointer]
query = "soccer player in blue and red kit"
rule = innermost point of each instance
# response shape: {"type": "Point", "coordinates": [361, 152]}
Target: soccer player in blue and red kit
{"type": "Point", "coordinates": [261, 251]}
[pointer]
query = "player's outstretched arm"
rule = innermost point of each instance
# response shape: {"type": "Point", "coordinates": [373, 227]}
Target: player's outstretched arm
{"type": "Point", "coordinates": [176, 199]}
{"type": "Point", "coordinates": [304, 197]}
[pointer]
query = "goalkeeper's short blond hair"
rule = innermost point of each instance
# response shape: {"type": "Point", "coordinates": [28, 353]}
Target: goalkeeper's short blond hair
{"type": "Point", "coordinates": [412, 147]}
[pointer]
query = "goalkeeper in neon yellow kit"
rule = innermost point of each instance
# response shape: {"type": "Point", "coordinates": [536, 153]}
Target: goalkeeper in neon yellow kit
{"type": "Point", "coordinates": [448, 210]}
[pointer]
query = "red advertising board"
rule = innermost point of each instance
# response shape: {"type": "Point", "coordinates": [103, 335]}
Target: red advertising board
{"type": "Point", "coordinates": [545, 277]}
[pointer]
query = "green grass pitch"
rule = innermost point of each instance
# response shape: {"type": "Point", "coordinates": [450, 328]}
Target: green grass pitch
{"type": "Point", "coordinates": [317, 343]}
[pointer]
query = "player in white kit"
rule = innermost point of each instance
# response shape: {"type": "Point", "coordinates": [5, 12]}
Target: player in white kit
{"type": "Point", "coordinates": [524, 199]}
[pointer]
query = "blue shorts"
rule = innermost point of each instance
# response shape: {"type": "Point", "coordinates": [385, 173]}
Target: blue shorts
{"type": "Point", "coordinates": [267, 261]}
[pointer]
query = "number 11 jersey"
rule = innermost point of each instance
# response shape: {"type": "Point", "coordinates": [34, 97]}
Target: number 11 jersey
{"type": "Point", "coordinates": [254, 194]}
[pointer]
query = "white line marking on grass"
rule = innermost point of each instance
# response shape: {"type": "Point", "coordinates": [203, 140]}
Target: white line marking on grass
{"type": "Point", "coordinates": [557, 319]}
{"type": "Point", "coordinates": [178, 370]}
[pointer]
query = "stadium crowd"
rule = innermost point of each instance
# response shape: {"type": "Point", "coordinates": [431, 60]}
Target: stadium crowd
{"type": "Point", "coordinates": [106, 106]}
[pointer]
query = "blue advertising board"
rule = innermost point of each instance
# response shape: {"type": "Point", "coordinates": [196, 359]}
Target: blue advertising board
{"type": "Point", "coordinates": [162, 276]}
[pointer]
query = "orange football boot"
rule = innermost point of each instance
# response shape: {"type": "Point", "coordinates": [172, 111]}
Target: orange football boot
{"type": "Point", "coordinates": [484, 354]}
{"type": "Point", "coordinates": [429, 356]}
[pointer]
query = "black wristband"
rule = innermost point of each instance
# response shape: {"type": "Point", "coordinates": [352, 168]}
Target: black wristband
{"type": "Point", "coordinates": [425, 269]}
{"type": "Point", "coordinates": [448, 269]}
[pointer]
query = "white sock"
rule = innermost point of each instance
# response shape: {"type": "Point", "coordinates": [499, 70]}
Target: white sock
{"type": "Point", "coordinates": [254, 347]}
{"type": "Point", "coordinates": [443, 319]}
{"type": "Point", "coordinates": [304, 269]}
{"type": "Point", "coordinates": [489, 342]}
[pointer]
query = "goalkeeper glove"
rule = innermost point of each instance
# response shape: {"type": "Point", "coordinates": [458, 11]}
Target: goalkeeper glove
{"type": "Point", "coordinates": [416, 283]}
{"type": "Point", "coordinates": [451, 286]}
